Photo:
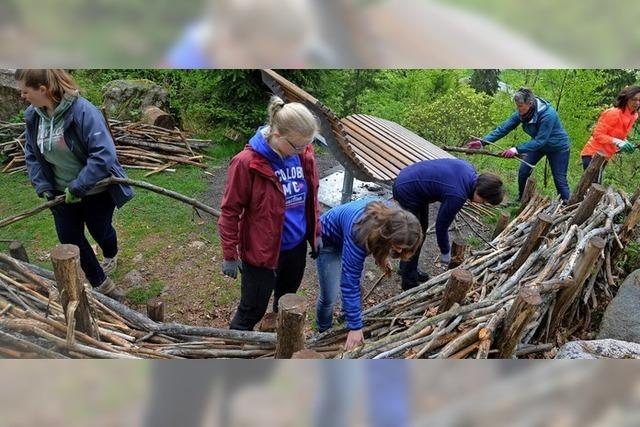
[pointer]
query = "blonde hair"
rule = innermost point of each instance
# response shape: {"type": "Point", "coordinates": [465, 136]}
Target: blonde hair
{"type": "Point", "coordinates": [382, 227]}
{"type": "Point", "coordinates": [57, 81]}
{"type": "Point", "coordinates": [291, 117]}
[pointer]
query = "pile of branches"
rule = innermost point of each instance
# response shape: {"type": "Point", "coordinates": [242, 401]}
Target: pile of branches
{"type": "Point", "coordinates": [33, 325]}
{"type": "Point", "coordinates": [536, 287]}
{"type": "Point", "coordinates": [138, 145]}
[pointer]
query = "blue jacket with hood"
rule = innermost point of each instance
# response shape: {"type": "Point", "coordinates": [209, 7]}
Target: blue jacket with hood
{"type": "Point", "coordinates": [88, 138]}
{"type": "Point", "coordinates": [544, 128]}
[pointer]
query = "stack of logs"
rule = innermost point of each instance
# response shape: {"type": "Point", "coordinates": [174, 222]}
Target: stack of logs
{"type": "Point", "coordinates": [535, 288]}
{"type": "Point", "coordinates": [138, 145]}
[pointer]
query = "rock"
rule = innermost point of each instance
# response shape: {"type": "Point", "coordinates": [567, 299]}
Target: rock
{"type": "Point", "coordinates": [11, 103]}
{"type": "Point", "coordinates": [370, 276]}
{"type": "Point", "coordinates": [599, 349]}
{"type": "Point", "coordinates": [134, 278]}
{"type": "Point", "coordinates": [621, 319]}
{"type": "Point", "coordinates": [198, 245]}
{"type": "Point", "coordinates": [138, 259]}
{"type": "Point", "coordinates": [127, 99]}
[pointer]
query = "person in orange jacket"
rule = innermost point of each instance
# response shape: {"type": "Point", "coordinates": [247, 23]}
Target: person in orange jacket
{"type": "Point", "coordinates": [613, 127]}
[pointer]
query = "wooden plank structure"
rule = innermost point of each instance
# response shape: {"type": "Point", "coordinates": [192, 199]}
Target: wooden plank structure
{"type": "Point", "coordinates": [369, 148]}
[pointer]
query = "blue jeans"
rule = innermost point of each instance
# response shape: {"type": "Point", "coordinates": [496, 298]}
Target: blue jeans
{"type": "Point", "coordinates": [329, 264]}
{"type": "Point", "coordinates": [96, 213]}
{"type": "Point", "coordinates": [559, 163]}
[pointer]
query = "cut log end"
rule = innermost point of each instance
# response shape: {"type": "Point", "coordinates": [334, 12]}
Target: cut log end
{"type": "Point", "coordinates": [65, 252]}
{"type": "Point", "coordinates": [307, 354]}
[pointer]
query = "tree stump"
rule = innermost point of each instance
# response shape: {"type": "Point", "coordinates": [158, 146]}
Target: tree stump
{"type": "Point", "coordinates": [587, 206]}
{"type": "Point", "coordinates": [502, 223]}
{"type": "Point", "coordinates": [73, 297]}
{"type": "Point", "coordinates": [17, 251]}
{"type": "Point", "coordinates": [456, 289]}
{"type": "Point", "coordinates": [155, 310]}
{"type": "Point", "coordinates": [290, 330]}
{"type": "Point", "coordinates": [458, 250]}
{"type": "Point", "coordinates": [589, 176]}
{"type": "Point", "coordinates": [307, 354]}
{"type": "Point", "coordinates": [522, 311]}
{"type": "Point", "coordinates": [153, 115]}
{"type": "Point", "coordinates": [538, 230]}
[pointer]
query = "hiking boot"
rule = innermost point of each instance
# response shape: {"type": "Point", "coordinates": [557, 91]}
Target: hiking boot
{"type": "Point", "coordinates": [109, 265]}
{"type": "Point", "coordinates": [110, 289]}
{"type": "Point", "coordinates": [408, 284]}
{"type": "Point", "coordinates": [422, 277]}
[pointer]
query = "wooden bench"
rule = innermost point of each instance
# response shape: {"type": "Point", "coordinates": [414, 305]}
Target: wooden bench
{"type": "Point", "coordinates": [369, 148]}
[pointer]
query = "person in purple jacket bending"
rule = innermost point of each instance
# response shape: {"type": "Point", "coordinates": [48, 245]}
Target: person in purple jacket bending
{"type": "Point", "coordinates": [451, 182]}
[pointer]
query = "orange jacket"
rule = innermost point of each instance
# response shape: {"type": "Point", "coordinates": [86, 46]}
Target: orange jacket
{"type": "Point", "coordinates": [613, 123]}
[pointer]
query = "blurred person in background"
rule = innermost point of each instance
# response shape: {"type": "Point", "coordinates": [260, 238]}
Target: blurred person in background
{"type": "Point", "coordinates": [351, 232]}
{"type": "Point", "coordinates": [614, 124]}
{"type": "Point", "coordinates": [451, 182]}
{"type": "Point", "coordinates": [385, 386]}
{"type": "Point", "coordinates": [68, 150]}
{"type": "Point", "coordinates": [251, 33]}
{"type": "Point", "coordinates": [548, 138]}
{"type": "Point", "coordinates": [270, 210]}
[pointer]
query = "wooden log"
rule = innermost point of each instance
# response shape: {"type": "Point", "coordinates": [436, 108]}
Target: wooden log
{"type": "Point", "coordinates": [155, 309]}
{"type": "Point", "coordinates": [587, 206]}
{"type": "Point", "coordinates": [528, 192]}
{"type": "Point", "coordinates": [153, 115]}
{"type": "Point", "coordinates": [628, 229]}
{"type": "Point", "coordinates": [501, 224]}
{"type": "Point", "coordinates": [8, 340]}
{"type": "Point", "coordinates": [456, 289]}
{"type": "Point", "coordinates": [522, 311]}
{"type": "Point", "coordinates": [66, 267]}
{"type": "Point", "coordinates": [581, 272]}
{"type": "Point", "coordinates": [538, 230]}
{"type": "Point", "coordinates": [486, 334]}
{"type": "Point", "coordinates": [458, 249]}
{"type": "Point", "coordinates": [291, 318]}
{"type": "Point", "coordinates": [589, 176]}
{"type": "Point", "coordinates": [307, 354]}
{"type": "Point", "coordinates": [17, 250]}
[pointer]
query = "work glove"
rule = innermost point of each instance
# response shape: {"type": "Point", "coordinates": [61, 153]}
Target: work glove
{"type": "Point", "coordinates": [319, 245]}
{"type": "Point", "coordinates": [510, 153]}
{"type": "Point", "coordinates": [474, 144]}
{"type": "Point", "coordinates": [70, 198]}
{"type": "Point", "coordinates": [48, 195]}
{"type": "Point", "coordinates": [230, 267]}
{"type": "Point", "coordinates": [445, 259]}
{"type": "Point", "coordinates": [624, 146]}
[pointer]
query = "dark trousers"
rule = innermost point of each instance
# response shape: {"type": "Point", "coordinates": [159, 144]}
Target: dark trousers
{"type": "Point", "coordinates": [257, 284]}
{"type": "Point", "coordinates": [559, 163]}
{"type": "Point", "coordinates": [586, 161]}
{"type": "Point", "coordinates": [96, 213]}
{"type": "Point", "coordinates": [409, 269]}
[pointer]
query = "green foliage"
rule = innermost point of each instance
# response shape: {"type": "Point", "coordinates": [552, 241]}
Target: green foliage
{"type": "Point", "coordinates": [485, 80]}
{"type": "Point", "coordinates": [141, 294]}
{"type": "Point", "coordinates": [453, 118]}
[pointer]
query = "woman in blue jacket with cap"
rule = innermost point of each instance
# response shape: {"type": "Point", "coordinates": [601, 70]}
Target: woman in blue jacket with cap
{"type": "Point", "coordinates": [548, 138]}
{"type": "Point", "coordinates": [68, 150]}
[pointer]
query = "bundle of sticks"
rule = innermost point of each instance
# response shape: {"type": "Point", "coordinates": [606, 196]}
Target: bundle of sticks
{"type": "Point", "coordinates": [138, 146]}
{"type": "Point", "coordinates": [32, 324]}
{"type": "Point", "coordinates": [536, 287]}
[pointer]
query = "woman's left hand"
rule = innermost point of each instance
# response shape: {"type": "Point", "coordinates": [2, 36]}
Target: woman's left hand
{"type": "Point", "coordinates": [354, 339]}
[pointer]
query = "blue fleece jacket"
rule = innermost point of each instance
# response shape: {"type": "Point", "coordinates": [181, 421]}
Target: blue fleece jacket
{"type": "Point", "coordinates": [337, 231]}
{"type": "Point", "coordinates": [448, 181]}
{"type": "Point", "coordinates": [544, 128]}
{"type": "Point", "coordinates": [294, 187]}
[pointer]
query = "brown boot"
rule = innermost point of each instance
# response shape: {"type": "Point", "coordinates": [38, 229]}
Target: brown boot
{"type": "Point", "coordinates": [110, 289]}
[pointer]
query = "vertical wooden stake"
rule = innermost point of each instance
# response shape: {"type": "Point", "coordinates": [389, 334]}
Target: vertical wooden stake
{"type": "Point", "coordinates": [307, 354]}
{"type": "Point", "coordinates": [17, 251]}
{"type": "Point", "coordinates": [538, 230]}
{"type": "Point", "coordinates": [587, 206]}
{"type": "Point", "coordinates": [66, 267]}
{"type": "Point", "coordinates": [290, 329]}
{"type": "Point", "coordinates": [456, 289]}
{"type": "Point", "coordinates": [155, 310]}
{"type": "Point", "coordinates": [502, 223]}
{"type": "Point", "coordinates": [523, 309]}
{"type": "Point", "coordinates": [588, 177]}
{"type": "Point", "coordinates": [458, 249]}
{"type": "Point", "coordinates": [528, 192]}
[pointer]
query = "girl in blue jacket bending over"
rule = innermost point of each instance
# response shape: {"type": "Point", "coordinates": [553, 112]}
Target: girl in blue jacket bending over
{"type": "Point", "coordinates": [548, 138]}
{"type": "Point", "coordinates": [68, 150]}
{"type": "Point", "coordinates": [350, 232]}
